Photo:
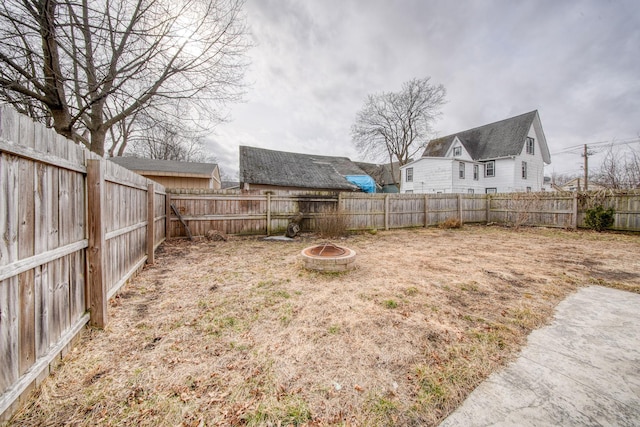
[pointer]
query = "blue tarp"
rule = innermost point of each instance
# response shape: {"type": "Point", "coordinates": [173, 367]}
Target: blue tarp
{"type": "Point", "coordinates": [365, 182]}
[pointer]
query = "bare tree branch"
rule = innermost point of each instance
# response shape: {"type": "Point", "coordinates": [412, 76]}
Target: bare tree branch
{"type": "Point", "coordinates": [90, 64]}
{"type": "Point", "coordinates": [398, 124]}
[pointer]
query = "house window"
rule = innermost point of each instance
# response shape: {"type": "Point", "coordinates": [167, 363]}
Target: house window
{"type": "Point", "coordinates": [490, 168]}
{"type": "Point", "coordinates": [491, 190]}
{"type": "Point", "coordinates": [530, 146]}
{"type": "Point", "coordinates": [457, 151]}
{"type": "Point", "coordinates": [409, 175]}
{"type": "Point", "coordinates": [461, 170]}
{"type": "Point", "coordinates": [524, 170]}
{"type": "Point", "coordinates": [409, 192]}
{"type": "Point", "coordinates": [470, 191]}
{"type": "Point", "coordinates": [528, 189]}
{"type": "Point", "coordinates": [476, 172]}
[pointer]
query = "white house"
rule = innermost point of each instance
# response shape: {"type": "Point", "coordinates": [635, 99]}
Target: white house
{"type": "Point", "coordinates": [501, 157]}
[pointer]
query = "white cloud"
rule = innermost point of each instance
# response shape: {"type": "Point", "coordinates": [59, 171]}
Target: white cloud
{"type": "Point", "coordinates": [315, 62]}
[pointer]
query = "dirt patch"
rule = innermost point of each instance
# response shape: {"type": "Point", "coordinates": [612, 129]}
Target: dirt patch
{"type": "Point", "coordinates": [238, 333]}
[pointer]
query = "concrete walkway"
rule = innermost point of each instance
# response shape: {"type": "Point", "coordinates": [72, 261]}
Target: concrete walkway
{"type": "Point", "coordinates": [581, 370]}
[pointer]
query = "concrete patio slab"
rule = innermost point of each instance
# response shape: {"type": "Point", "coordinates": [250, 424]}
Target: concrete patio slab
{"type": "Point", "coordinates": [583, 369]}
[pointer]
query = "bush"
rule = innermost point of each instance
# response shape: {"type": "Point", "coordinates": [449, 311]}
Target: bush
{"type": "Point", "coordinates": [599, 218]}
{"type": "Point", "coordinates": [451, 223]}
{"type": "Point", "coordinates": [332, 225]}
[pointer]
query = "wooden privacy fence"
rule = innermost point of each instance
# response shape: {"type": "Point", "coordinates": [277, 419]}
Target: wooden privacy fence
{"type": "Point", "coordinates": [268, 213]}
{"type": "Point", "coordinates": [73, 228]}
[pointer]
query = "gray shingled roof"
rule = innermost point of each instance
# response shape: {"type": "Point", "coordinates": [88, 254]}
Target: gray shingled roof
{"type": "Point", "coordinates": [142, 165]}
{"type": "Point", "coordinates": [499, 139]}
{"type": "Point", "coordinates": [381, 173]}
{"type": "Point", "coordinates": [283, 169]}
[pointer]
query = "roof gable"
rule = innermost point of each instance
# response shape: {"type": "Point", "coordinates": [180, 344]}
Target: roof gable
{"type": "Point", "coordinates": [284, 169]}
{"type": "Point", "coordinates": [500, 139]}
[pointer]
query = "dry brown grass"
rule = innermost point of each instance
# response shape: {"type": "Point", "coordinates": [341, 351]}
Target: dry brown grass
{"type": "Point", "coordinates": [238, 333]}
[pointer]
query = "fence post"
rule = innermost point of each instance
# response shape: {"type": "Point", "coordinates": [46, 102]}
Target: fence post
{"type": "Point", "coordinates": [268, 214]}
{"type": "Point", "coordinates": [151, 216]}
{"type": "Point", "coordinates": [574, 218]}
{"type": "Point", "coordinates": [426, 210]}
{"type": "Point", "coordinates": [97, 292]}
{"type": "Point", "coordinates": [386, 211]}
{"type": "Point", "coordinates": [167, 215]}
{"type": "Point", "coordinates": [488, 207]}
{"type": "Point", "coordinates": [460, 208]}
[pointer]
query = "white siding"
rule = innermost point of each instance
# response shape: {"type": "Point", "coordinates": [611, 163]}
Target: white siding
{"type": "Point", "coordinates": [441, 174]}
{"type": "Point", "coordinates": [430, 175]}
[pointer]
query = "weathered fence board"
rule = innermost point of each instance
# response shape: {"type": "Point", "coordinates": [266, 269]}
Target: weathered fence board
{"type": "Point", "coordinates": [269, 213]}
{"type": "Point", "coordinates": [49, 270]}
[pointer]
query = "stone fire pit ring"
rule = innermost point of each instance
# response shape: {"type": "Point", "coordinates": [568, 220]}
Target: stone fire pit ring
{"type": "Point", "coordinates": [327, 257]}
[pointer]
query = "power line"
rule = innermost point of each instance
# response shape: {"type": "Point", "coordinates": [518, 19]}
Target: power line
{"type": "Point", "coordinates": [579, 147]}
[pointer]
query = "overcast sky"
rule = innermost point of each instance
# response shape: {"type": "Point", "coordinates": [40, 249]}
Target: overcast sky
{"type": "Point", "coordinates": [314, 62]}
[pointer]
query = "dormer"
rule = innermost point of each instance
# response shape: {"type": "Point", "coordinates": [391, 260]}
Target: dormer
{"type": "Point", "coordinates": [457, 150]}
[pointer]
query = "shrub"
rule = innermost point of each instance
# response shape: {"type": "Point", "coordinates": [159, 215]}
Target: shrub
{"type": "Point", "coordinates": [332, 225]}
{"type": "Point", "coordinates": [451, 223]}
{"type": "Point", "coordinates": [599, 218]}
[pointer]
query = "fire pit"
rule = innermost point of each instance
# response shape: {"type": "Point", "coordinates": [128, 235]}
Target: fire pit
{"type": "Point", "coordinates": [329, 257]}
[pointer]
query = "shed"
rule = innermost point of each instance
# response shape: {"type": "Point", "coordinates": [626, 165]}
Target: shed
{"type": "Point", "coordinates": [174, 174]}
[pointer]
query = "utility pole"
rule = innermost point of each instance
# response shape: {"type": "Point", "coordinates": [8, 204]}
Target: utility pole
{"type": "Point", "coordinates": [586, 168]}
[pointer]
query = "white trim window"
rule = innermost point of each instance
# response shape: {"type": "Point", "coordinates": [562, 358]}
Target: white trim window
{"type": "Point", "coordinates": [476, 172]}
{"type": "Point", "coordinates": [490, 168]}
{"type": "Point", "coordinates": [461, 170]}
{"type": "Point", "coordinates": [470, 191]}
{"type": "Point", "coordinates": [457, 151]}
{"type": "Point", "coordinates": [491, 190]}
{"type": "Point", "coordinates": [409, 175]}
{"type": "Point", "coordinates": [530, 146]}
{"type": "Point", "coordinates": [524, 170]}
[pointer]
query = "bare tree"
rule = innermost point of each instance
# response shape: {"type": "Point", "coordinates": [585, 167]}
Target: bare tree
{"type": "Point", "coordinates": [620, 169]}
{"type": "Point", "coordinates": [87, 68]}
{"type": "Point", "coordinates": [398, 124]}
{"type": "Point", "coordinates": [161, 141]}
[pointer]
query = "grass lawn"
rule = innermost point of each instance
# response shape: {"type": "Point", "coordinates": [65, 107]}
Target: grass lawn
{"type": "Point", "coordinates": [239, 333]}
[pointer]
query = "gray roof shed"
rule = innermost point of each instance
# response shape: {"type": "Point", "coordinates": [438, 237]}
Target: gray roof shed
{"type": "Point", "coordinates": [163, 167]}
{"type": "Point", "coordinates": [284, 169]}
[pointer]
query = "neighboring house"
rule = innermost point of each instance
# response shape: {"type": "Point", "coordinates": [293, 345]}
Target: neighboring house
{"type": "Point", "coordinates": [230, 185]}
{"type": "Point", "coordinates": [174, 174]}
{"type": "Point", "coordinates": [262, 169]}
{"type": "Point", "coordinates": [577, 184]}
{"type": "Point", "coordinates": [386, 181]}
{"type": "Point", "coordinates": [501, 157]}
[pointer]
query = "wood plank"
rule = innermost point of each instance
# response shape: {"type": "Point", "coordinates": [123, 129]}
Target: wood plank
{"type": "Point", "coordinates": [27, 320]}
{"type": "Point", "coordinates": [77, 285]}
{"type": "Point", "coordinates": [126, 230]}
{"type": "Point", "coordinates": [9, 360]}
{"type": "Point", "coordinates": [151, 213]}
{"type": "Point", "coordinates": [9, 215]}
{"type": "Point", "coordinates": [40, 259]}
{"type": "Point", "coordinates": [96, 283]}
{"type": "Point", "coordinates": [52, 208]}
{"type": "Point", "coordinates": [41, 302]}
{"type": "Point", "coordinates": [42, 157]}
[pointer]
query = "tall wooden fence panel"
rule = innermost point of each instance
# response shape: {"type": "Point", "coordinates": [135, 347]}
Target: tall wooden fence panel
{"type": "Point", "coordinates": [626, 205]}
{"type": "Point", "coordinates": [534, 209]}
{"type": "Point", "coordinates": [269, 213]}
{"type": "Point", "coordinates": [364, 211]}
{"type": "Point", "coordinates": [47, 225]}
{"type": "Point", "coordinates": [441, 207]}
